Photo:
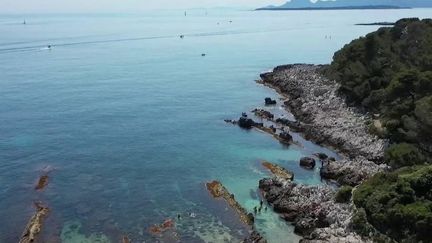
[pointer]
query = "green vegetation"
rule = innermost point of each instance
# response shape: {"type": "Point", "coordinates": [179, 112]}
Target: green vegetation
{"type": "Point", "coordinates": [398, 204]}
{"type": "Point", "coordinates": [344, 194]}
{"type": "Point", "coordinates": [404, 154]}
{"type": "Point", "coordinates": [389, 73]}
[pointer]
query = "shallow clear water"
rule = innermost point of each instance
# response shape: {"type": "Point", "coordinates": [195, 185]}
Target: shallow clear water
{"type": "Point", "coordinates": [130, 116]}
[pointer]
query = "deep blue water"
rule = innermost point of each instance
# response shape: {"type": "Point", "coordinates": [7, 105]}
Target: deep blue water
{"type": "Point", "coordinates": [130, 117]}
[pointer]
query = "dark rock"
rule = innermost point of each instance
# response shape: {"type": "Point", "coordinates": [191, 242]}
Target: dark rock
{"type": "Point", "coordinates": [246, 123]}
{"type": "Point", "coordinates": [307, 162]}
{"type": "Point", "coordinates": [285, 137]}
{"type": "Point", "coordinates": [327, 173]}
{"type": "Point", "coordinates": [230, 121]}
{"type": "Point", "coordinates": [265, 184]}
{"type": "Point", "coordinates": [295, 126]}
{"type": "Point", "coordinates": [322, 156]}
{"type": "Point", "coordinates": [304, 226]}
{"type": "Point", "coordinates": [270, 101]}
{"type": "Point", "coordinates": [291, 216]}
{"type": "Point", "coordinates": [263, 114]}
{"type": "Point", "coordinates": [251, 217]}
{"type": "Point", "coordinates": [254, 237]}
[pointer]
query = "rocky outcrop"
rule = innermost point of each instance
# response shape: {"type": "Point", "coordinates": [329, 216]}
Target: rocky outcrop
{"type": "Point", "coordinates": [246, 123]}
{"type": "Point", "coordinates": [323, 116]}
{"type": "Point", "coordinates": [42, 183]}
{"type": "Point", "coordinates": [34, 226]}
{"type": "Point", "coordinates": [295, 126]}
{"type": "Point", "coordinates": [307, 162]}
{"type": "Point", "coordinates": [263, 114]}
{"type": "Point", "coordinates": [285, 137]}
{"type": "Point", "coordinates": [311, 209]}
{"type": "Point", "coordinates": [326, 118]}
{"type": "Point", "coordinates": [350, 171]}
{"type": "Point", "coordinates": [254, 237]}
{"type": "Point", "coordinates": [278, 171]}
{"type": "Point", "coordinates": [270, 101]}
{"type": "Point", "coordinates": [217, 190]}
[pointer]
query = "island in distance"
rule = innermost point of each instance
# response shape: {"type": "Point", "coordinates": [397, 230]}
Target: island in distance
{"type": "Point", "coordinates": [350, 4]}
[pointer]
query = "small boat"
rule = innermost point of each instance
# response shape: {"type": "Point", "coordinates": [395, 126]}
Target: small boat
{"type": "Point", "coordinates": [203, 55]}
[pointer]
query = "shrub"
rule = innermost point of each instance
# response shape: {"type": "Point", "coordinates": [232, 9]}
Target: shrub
{"type": "Point", "coordinates": [389, 72]}
{"type": "Point", "coordinates": [398, 204]}
{"type": "Point", "coordinates": [403, 154]}
{"type": "Point", "coordinates": [344, 194]}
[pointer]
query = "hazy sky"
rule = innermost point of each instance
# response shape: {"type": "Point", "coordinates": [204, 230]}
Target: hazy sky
{"type": "Point", "coordinates": [25, 6]}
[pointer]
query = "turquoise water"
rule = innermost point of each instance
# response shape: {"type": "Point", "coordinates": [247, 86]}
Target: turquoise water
{"type": "Point", "coordinates": [130, 117]}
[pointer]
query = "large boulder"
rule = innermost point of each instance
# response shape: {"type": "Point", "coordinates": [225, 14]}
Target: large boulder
{"type": "Point", "coordinates": [270, 101]}
{"type": "Point", "coordinates": [307, 162]}
{"type": "Point", "coordinates": [246, 123]}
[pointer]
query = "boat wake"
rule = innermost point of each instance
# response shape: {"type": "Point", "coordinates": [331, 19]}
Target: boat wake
{"type": "Point", "coordinates": [202, 34]}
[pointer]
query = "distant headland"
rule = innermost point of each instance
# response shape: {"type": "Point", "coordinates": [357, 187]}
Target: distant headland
{"type": "Point", "coordinates": [350, 4]}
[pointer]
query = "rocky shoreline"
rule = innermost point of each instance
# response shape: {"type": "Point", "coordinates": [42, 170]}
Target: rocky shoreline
{"type": "Point", "coordinates": [311, 209]}
{"type": "Point", "coordinates": [321, 116]}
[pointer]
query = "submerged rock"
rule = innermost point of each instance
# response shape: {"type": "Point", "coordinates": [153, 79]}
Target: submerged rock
{"type": "Point", "coordinates": [217, 190]}
{"type": "Point", "coordinates": [71, 233]}
{"type": "Point", "coordinates": [34, 226]}
{"type": "Point", "coordinates": [159, 229]}
{"type": "Point", "coordinates": [42, 183]}
{"type": "Point", "coordinates": [125, 239]}
{"type": "Point", "coordinates": [278, 171]}
{"type": "Point", "coordinates": [307, 162]}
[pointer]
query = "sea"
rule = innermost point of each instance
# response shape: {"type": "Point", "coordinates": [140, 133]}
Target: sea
{"type": "Point", "coordinates": [127, 118]}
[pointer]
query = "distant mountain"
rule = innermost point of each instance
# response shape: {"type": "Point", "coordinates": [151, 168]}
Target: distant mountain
{"type": "Point", "coordinates": [351, 4]}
